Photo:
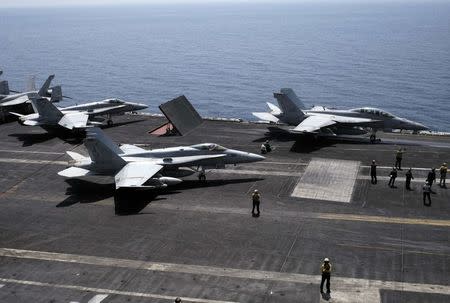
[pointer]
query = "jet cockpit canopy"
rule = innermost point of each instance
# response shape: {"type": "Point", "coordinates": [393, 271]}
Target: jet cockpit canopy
{"type": "Point", "coordinates": [209, 146]}
{"type": "Point", "coordinates": [373, 111]}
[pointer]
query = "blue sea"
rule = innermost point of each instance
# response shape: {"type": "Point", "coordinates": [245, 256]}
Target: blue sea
{"type": "Point", "coordinates": [229, 59]}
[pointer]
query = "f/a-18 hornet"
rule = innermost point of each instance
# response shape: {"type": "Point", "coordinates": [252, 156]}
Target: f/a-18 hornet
{"type": "Point", "coordinates": [135, 167]}
{"type": "Point", "coordinates": [53, 94]}
{"type": "Point", "coordinates": [76, 117]}
{"type": "Point", "coordinates": [323, 121]}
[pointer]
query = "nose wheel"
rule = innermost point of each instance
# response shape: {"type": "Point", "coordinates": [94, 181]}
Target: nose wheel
{"type": "Point", "coordinates": [110, 122]}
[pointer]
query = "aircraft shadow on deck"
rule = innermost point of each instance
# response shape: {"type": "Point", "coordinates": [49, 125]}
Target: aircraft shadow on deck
{"type": "Point", "coordinates": [131, 201]}
{"type": "Point", "coordinates": [29, 139]}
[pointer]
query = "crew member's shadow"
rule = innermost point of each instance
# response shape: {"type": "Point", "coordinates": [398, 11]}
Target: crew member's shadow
{"type": "Point", "coordinates": [326, 296]}
{"type": "Point", "coordinates": [126, 201]}
{"type": "Point", "coordinates": [188, 184]}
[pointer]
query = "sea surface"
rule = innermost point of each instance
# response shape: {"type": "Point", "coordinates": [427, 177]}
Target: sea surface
{"type": "Point", "coordinates": [229, 59]}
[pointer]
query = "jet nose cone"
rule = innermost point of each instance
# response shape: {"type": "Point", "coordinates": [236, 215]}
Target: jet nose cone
{"type": "Point", "coordinates": [255, 157]}
{"type": "Point", "coordinates": [140, 106]}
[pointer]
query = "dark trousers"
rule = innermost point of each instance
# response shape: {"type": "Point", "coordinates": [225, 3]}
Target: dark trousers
{"type": "Point", "coordinates": [442, 181]}
{"type": "Point", "coordinates": [374, 179]}
{"type": "Point", "coordinates": [326, 277]}
{"type": "Point", "coordinates": [398, 163]}
{"type": "Point", "coordinates": [426, 195]}
{"type": "Point", "coordinates": [391, 182]}
{"type": "Point", "coordinates": [408, 184]}
{"type": "Point", "coordinates": [255, 205]}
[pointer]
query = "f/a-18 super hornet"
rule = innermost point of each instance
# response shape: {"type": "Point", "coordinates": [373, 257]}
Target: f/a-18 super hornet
{"type": "Point", "coordinates": [323, 121]}
{"type": "Point", "coordinates": [76, 117]}
{"type": "Point", "coordinates": [54, 94]}
{"type": "Point", "coordinates": [135, 167]}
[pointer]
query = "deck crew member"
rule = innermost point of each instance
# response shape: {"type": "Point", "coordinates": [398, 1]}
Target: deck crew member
{"type": "Point", "coordinates": [373, 172]}
{"type": "Point", "coordinates": [398, 158]}
{"type": "Point", "coordinates": [431, 177]}
{"type": "Point", "coordinates": [443, 171]}
{"type": "Point", "coordinates": [325, 269]}
{"type": "Point", "coordinates": [256, 198]}
{"type": "Point", "coordinates": [409, 176]}
{"type": "Point", "coordinates": [392, 176]}
{"type": "Point", "coordinates": [426, 193]}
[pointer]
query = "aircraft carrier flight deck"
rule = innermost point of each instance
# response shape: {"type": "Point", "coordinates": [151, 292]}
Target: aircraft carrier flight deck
{"type": "Point", "coordinates": [76, 240]}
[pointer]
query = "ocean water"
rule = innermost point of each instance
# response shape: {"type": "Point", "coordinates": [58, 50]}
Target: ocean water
{"type": "Point", "coordinates": [228, 59]}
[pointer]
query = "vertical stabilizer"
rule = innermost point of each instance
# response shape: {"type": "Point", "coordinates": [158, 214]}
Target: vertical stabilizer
{"type": "Point", "coordinates": [289, 92]}
{"type": "Point", "coordinates": [4, 87]}
{"type": "Point", "coordinates": [46, 109]}
{"type": "Point", "coordinates": [43, 92]}
{"type": "Point", "coordinates": [103, 151]}
{"type": "Point", "coordinates": [56, 94]}
{"type": "Point", "coordinates": [292, 114]}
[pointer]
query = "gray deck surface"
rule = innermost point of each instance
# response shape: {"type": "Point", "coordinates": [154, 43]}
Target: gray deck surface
{"type": "Point", "coordinates": [79, 241]}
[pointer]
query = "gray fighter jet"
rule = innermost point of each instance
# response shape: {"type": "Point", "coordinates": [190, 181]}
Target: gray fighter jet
{"type": "Point", "coordinates": [76, 117]}
{"type": "Point", "coordinates": [53, 94]}
{"type": "Point", "coordinates": [135, 167]}
{"type": "Point", "coordinates": [323, 121]}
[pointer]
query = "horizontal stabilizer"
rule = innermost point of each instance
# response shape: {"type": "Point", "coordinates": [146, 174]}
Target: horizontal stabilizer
{"type": "Point", "coordinates": [76, 156]}
{"type": "Point", "coordinates": [135, 174]}
{"type": "Point", "coordinates": [17, 114]}
{"type": "Point", "coordinates": [31, 123]}
{"type": "Point", "coordinates": [274, 110]}
{"type": "Point", "coordinates": [74, 172]}
{"type": "Point", "coordinates": [266, 117]}
{"type": "Point", "coordinates": [74, 120]}
{"type": "Point", "coordinates": [131, 149]}
{"type": "Point", "coordinates": [17, 101]}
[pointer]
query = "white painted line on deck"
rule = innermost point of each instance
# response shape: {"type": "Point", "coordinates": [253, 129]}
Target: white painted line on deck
{"type": "Point", "coordinates": [258, 172]}
{"type": "Point", "coordinates": [343, 283]}
{"type": "Point", "coordinates": [29, 152]}
{"type": "Point", "coordinates": [109, 291]}
{"type": "Point", "coordinates": [98, 298]}
{"type": "Point", "coordinates": [28, 161]}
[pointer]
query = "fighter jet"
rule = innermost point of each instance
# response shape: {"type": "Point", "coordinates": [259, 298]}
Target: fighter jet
{"type": "Point", "coordinates": [135, 167]}
{"type": "Point", "coordinates": [77, 117]}
{"type": "Point", "coordinates": [54, 94]}
{"type": "Point", "coordinates": [323, 121]}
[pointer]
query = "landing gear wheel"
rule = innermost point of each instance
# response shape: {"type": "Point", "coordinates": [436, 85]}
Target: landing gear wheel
{"type": "Point", "coordinates": [110, 122]}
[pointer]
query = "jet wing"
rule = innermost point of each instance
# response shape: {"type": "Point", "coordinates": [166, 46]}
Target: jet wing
{"type": "Point", "coordinates": [266, 117]}
{"type": "Point", "coordinates": [312, 124]}
{"type": "Point", "coordinates": [352, 120]}
{"type": "Point", "coordinates": [74, 120]}
{"type": "Point", "coordinates": [104, 110]}
{"type": "Point", "coordinates": [17, 101]}
{"type": "Point", "coordinates": [187, 160]}
{"type": "Point", "coordinates": [177, 161]}
{"type": "Point", "coordinates": [132, 149]}
{"type": "Point", "coordinates": [73, 172]}
{"type": "Point", "coordinates": [134, 174]}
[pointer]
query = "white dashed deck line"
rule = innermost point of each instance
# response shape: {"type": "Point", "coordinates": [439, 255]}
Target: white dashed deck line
{"type": "Point", "coordinates": [110, 291]}
{"type": "Point", "coordinates": [340, 284]}
{"type": "Point", "coordinates": [328, 179]}
{"type": "Point", "coordinates": [98, 298]}
{"type": "Point", "coordinates": [28, 161]}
